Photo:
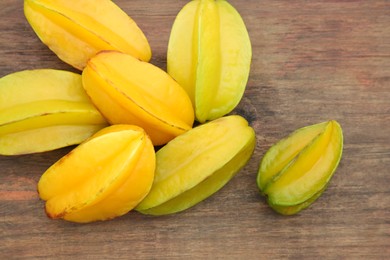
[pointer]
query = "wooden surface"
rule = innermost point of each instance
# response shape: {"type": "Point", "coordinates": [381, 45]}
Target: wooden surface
{"type": "Point", "coordinates": [312, 61]}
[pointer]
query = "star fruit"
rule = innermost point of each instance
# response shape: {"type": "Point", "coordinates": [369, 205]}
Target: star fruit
{"type": "Point", "coordinates": [130, 91]}
{"type": "Point", "coordinates": [77, 30]}
{"type": "Point", "coordinates": [103, 178]}
{"type": "Point", "coordinates": [295, 171]}
{"type": "Point", "coordinates": [198, 163]}
{"type": "Point", "coordinates": [209, 54]}
{"type": "Point", "coordinates": [44, 109]}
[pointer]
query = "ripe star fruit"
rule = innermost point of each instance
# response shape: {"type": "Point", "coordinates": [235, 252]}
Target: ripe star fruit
{"type": "Point", "coordinates": [209, 54]}
{"type": "Point", "coordinates": [130, 91]}
{"type": "Point", "coordinates": [198, 163]}
{"type": "Point", "coordinates": [44, 109]}
{"type": "Point", "coordinates": [77, 30]}
{"type": "Point", "coordinates": [295, 171]}
{"type": "Point", "coordinates": [103, 178]}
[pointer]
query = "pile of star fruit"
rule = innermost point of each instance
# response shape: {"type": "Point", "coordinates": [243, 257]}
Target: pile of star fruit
{"type": "Point", "coordinates": [121, 107]}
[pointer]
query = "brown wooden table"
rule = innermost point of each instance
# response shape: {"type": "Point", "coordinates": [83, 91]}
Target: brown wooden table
{"type": "Point", "coordinates": [312, 61]}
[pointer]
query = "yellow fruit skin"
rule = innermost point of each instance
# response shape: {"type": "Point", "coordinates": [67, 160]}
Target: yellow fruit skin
{"type": "Point", "coordinates": [295, 171]}
{"type": "Point", "coordinates": [129, 91]}
{"type": "Point", "coordinates": [195, 165]}
{"type": "Point", "coordinates": [46, 138]}
{"type": "Point", "coordinates": [209, 54]}
{"type": "Point", "coordinates": [22, 119]}
{"type": "Point", "coordinates": [42, 110]}
{"type": "Point", "coordinates": [76, 31]}
{"type": "Point", "coordinates": [103, 178]}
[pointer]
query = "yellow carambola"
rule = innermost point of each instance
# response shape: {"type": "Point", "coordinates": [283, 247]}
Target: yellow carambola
{"type": "Point", "coordinates": [209, 54]}
{"type": "Point", "coordinates": [42, 110]}
{"type": "Point", "coordinates": [129, 91]}
{"type": "Point", "coordinates": [103, 178]}
{"type": "Point", "coordinates": [77, 30]}
{"type": "Point", "coordinates": [198, 163]}
{"type": "Point", "coordinates": [295, 171]}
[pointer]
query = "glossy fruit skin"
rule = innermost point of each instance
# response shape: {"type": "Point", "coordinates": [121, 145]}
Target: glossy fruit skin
{"type": "Point", "coordinates": [296, 171]}
{"type": "Point", "coordinates": [43, 110]}
{"type": "Point", "coordinates": [103, 178]}
{"type": "Point", "coordinates": [77, 30]}
{"type": "Point", "coordinates": [209, 54]}
{"type": "Point", "coordinates": [195, 165]}
{"type": "Point", "coordinates": [129, 91]}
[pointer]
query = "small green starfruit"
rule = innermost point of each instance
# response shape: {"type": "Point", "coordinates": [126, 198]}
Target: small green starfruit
{"type": "Point", "coordinates": [295, 171]}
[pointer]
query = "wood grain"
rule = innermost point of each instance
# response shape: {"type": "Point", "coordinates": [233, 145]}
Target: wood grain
{"type": "Point", "coordinates": [312, 61]}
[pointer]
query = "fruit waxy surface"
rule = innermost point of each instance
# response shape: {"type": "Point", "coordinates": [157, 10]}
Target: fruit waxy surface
{"type": "Point", "coordinates": [198, 163]}
{"type": "Point", "coordinates": [104, 177]}
{"type": "Point", "coordinates": [77, 30]}
{"type": "Point", "coordinates": [44, 109]}
{"type": "Point", "coordinates": [295, 171]}
{"type": "Point", "coordinates": [209, 54]}
{"type": "Point", "coordinates": [129, 91]}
